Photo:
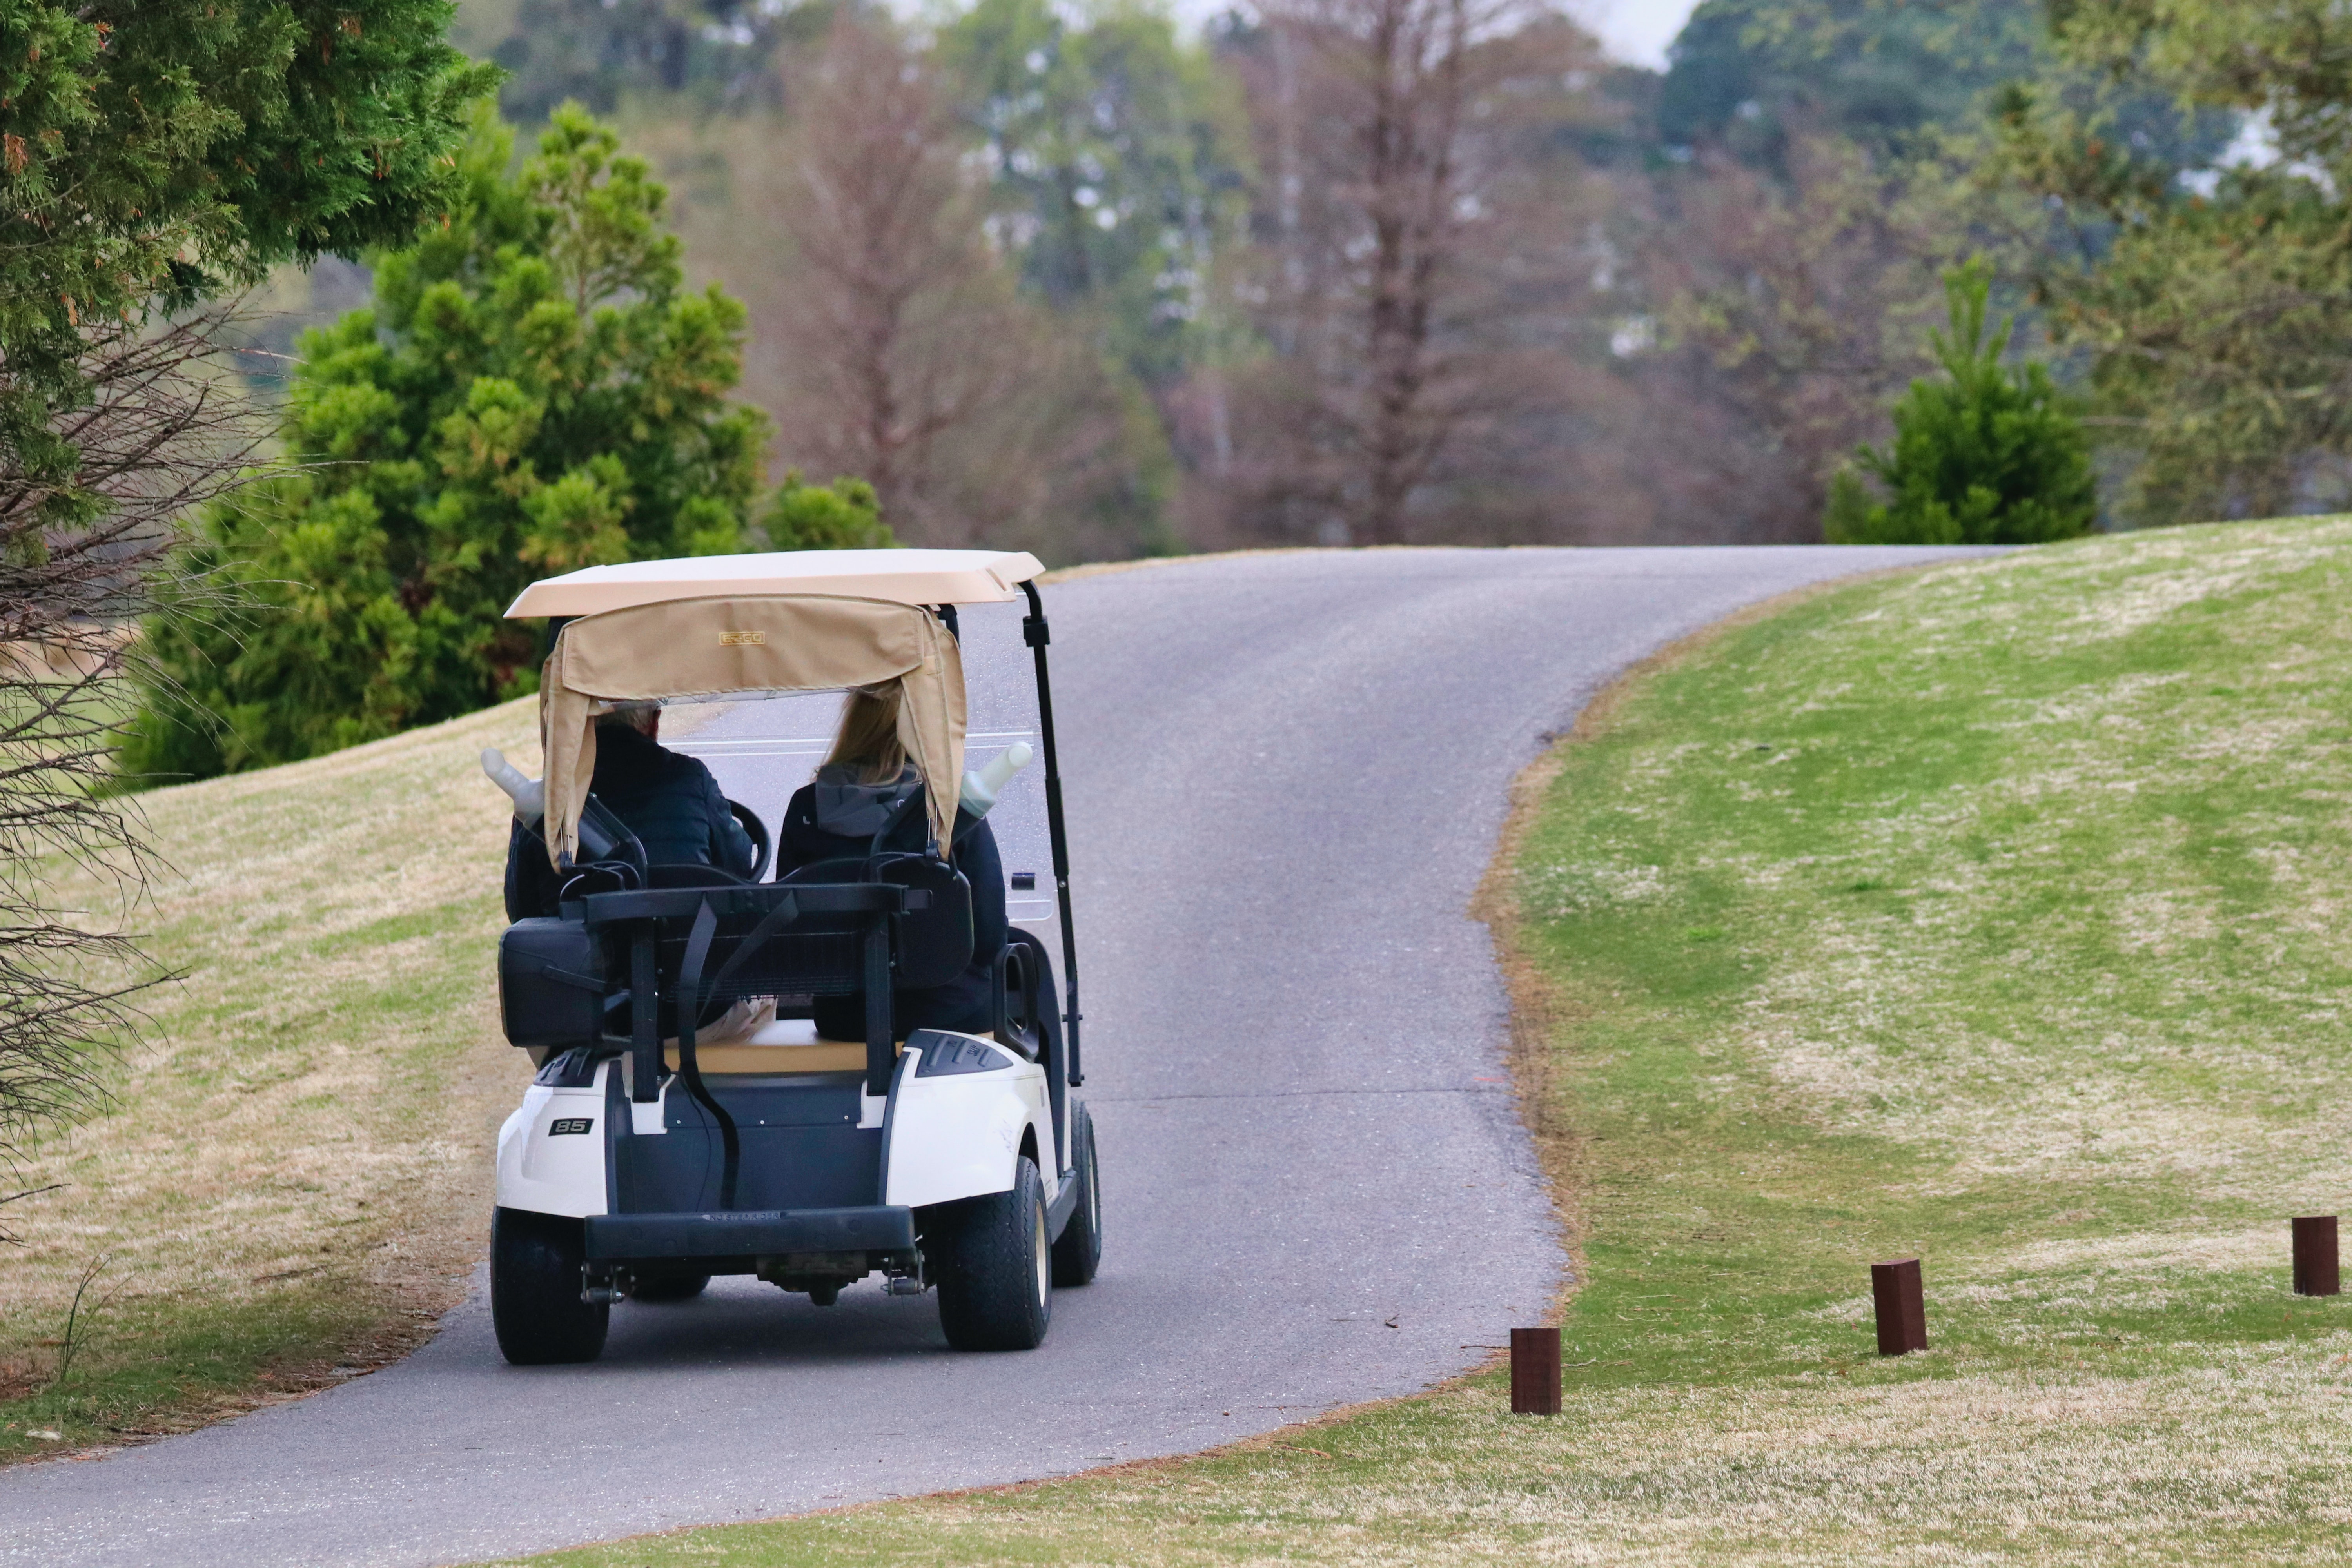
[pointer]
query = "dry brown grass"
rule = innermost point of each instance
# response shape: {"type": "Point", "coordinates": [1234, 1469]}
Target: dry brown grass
{"type": "Point", "coordinates": [312, 1113]}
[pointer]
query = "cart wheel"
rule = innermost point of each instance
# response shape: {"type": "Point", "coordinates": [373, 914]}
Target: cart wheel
{"type": "Point", "coordinates": [1077, 1251]}
{"type": "Point", "coordinates": [535, 1282]}
{"type": "Point", "coordinates": [669, 1287]}
{"type": "Point", "coordinates": [997, 1291]}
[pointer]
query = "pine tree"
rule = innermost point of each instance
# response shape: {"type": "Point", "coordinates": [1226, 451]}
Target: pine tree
{"type": "Point", "coordinates": [534, 391]}
{"type": "Point", "coordinates": [844, 515]}
{"type": "Point", "coordinates": [1991, 456]}
{"type": "Point", "coordinates": [155, 152]}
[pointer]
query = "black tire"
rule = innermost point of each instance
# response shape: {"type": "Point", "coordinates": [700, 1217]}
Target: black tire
{"type": "Point", "coordinates": [1077, 1251]}
{"type": "Point", "coordinates": [668, 1287]}
{"type": "Point", "coordinates": [535, 1283]}
{"type": "Point", "coordinates": [996, 1289]}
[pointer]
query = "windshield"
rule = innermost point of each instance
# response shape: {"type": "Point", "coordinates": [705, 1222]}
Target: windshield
{"type": "Point", "coordinates": [762, 751]}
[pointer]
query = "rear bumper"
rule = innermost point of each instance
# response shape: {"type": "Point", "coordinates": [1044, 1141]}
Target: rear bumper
{"type": "Point", "coordinates": [617, 1237]}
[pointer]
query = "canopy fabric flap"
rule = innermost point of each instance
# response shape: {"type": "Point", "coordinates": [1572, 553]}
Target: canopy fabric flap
{"type": "Point", "coordinates": [686, 648]}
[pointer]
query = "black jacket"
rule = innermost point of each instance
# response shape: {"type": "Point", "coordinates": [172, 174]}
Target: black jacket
{"type": "Point", "coordinates": [670, 802]}
{"type": "Point", "coordinates": [965, 1003]}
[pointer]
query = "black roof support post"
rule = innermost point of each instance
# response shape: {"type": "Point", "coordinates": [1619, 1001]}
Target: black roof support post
{"type": "Point", "coordinates": [1035, 633]}
{"type": "Point", "coordinates": [690, 1064]}
{"type": "Point", "coordinates": [645, 1017]}
{"type": "Point", "coordinates": [881, 1012]}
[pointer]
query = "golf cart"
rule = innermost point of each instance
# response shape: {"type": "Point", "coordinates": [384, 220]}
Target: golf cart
{"type": "Point", "coordinates": [688, 1119]}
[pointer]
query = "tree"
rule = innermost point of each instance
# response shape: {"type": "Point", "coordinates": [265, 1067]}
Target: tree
{"type": "Point", "coordinates": [535, 391]}
{"type": "Point", "coordinates": [154, 152]}
{"type": "Point", "coordinates": [603, 52]}
{"type": "Point", "coordinates": [895, 345]}
{"type": "Point", "coordinates": [844, 515]}
{"type": "Point", "coordinates": [2215, 306]}
{"type": "Point", "coordinates": [1992, 455]}
{"type": "Point", "coordinates": [1793, 307]}
{"type": "Point", "coordinates": [1428, 259]}
{"type": "Point", "coordinates": [1116, 163]}
{"type": "Point", "coordinates": [159, 430]}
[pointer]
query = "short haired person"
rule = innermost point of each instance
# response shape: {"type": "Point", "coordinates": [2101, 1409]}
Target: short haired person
{"type": "Point", "coordinates": [668, 799]}
{"type": "Point", "coordinates": [865, 786]}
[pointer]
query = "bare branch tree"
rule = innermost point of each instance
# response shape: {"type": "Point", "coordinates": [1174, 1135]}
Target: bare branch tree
{"type": "Point", "coordinates": [84, 553]}
{"type": "Point", "coordinates": [890, 338]}
{"type": "Point", "coordinates": [1796, 308]}
{"type": "Point", "coordinates": [1425, 258]}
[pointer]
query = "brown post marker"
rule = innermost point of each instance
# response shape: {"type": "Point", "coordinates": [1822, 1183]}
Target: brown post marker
{"type": "Point", "coordinates": [1535, 1371]}
{"type": "Point", "coordinates": [1902, 1309]}
{"type": "Point", "coordinates": [2315, 1256]}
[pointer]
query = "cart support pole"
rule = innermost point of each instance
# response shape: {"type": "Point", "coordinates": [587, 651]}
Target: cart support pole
{"type": "Point", "coordinates": [644, 1018]}
{"type": "Point", "coordinates": [1035, 633]}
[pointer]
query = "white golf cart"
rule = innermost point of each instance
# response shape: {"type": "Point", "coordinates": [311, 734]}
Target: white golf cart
{"type": "Point", "coordinates": [688, 1119]}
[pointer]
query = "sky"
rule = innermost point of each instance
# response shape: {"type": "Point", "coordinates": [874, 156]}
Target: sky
{"type": "Point", "coordinates": [1635, 31]}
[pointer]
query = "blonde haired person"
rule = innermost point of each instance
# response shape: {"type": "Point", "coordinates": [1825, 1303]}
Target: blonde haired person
{"type": "Point", "coordinates": [867, 798]}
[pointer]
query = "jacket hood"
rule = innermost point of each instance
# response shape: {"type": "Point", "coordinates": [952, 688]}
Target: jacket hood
{"type": "Point", "coordinates": [854, 810]}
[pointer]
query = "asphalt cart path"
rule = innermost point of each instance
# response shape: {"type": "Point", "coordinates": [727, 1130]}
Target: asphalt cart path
{"type": "Point", "coordinates": [1286, 774]}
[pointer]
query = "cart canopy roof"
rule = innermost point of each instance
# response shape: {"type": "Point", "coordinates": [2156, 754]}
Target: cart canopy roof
{"type": "Point", "coordinates": [688, 649]}
{"type": "Point", "coordinates": [901, 576]}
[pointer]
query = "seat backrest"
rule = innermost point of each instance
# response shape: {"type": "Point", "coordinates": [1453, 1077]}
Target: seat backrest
{"type": "Point", "coordinates": [931, 945]}
{"type": "Point", "coordinates": [668, 876]}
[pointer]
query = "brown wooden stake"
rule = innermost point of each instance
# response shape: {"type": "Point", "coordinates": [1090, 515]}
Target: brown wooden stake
{"type": "Point", "coordinates": [1535, 1371]}
{"type": "Point", "coordinates": [2315, 1256]}
{"type": "Point", "coordinates": [1902, 1309]}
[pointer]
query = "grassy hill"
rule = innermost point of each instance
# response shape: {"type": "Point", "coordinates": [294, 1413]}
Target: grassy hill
{"type": "Point", "coordinates": [293, 1178]}
{"type": "Point", "coordinates": [1995, 914]}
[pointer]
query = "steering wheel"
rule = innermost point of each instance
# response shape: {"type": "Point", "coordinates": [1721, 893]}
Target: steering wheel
{"type": "Point", "coordinates": [760, 839]}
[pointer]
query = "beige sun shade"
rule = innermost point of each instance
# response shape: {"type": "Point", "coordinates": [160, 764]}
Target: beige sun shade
{"type": "Point", "coordinates": [767, 642]}
{"type": "Point", "coordinates": [901, 576]}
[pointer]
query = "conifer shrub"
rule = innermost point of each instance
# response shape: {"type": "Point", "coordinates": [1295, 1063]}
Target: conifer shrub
{"type": "Point", "coordinates": [844, 515]}
{"type": "Point", "coordinates": [1987, 454]}
{"type": "Point", "coordinates": [534, 390]}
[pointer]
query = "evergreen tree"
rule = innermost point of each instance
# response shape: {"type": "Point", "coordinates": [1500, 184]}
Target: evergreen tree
{"type": "Point", "coordinates": [534, 391]}
{"type": "Point", "coordinates": [1117, 162]}
{"type": "Point", "coordinates": [1991, 456]}
{"type": "Point", "coordinates": [844, 515]}
{"type": "Point", "coordinates": [158, 150]}
{"type": "Point", "coordinates": [2215, 305]}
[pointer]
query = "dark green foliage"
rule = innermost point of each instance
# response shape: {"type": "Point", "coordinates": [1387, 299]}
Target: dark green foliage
{"type": "Point", "coordinates": [167, 148]}
{"type": "Point", "coordinates": [1748, 74]}
{"type": "Point", "coordinates": [844, 515]}
{"type": "Point", "coordinates": [1743, 68]}
{"type": "Point", "coordinates": [535, 391]}
{"type": "Point", "coordinates": [1991, 456]}
{"type": "Point", "coordinates": [601, 52]}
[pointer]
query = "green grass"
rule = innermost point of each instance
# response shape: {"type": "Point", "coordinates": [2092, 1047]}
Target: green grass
{"type": "Point", "coordinates": [1999, 914]}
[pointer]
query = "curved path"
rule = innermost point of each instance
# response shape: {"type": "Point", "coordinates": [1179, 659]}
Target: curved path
{"type": "Point", "coordinates": [1286, 774]}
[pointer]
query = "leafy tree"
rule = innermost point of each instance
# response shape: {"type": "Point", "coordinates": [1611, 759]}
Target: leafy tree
{"type": "Point", "coordinates": [2216, 309]}
{"type": "Point", "coordinates": [534, 391]}
{"type": "Point", "coordinates": [1748, 75]}
{"type": "Point", "coordinates": [1117, 159]}
{"type": "Point", "coordinates": [158, 150]}
{"type": "Point", "coordinates": [1743, 70]}
{"type": "Point", "coordinates": [844, 515]}
{"type": "Point", "coordinates": [1991, 456]}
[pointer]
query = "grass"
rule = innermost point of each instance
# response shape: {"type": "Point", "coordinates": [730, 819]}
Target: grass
{"type": "Point", "coordinates": [1994, 914]}
{"type": "Point", "coordinates": [291, 1181]}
